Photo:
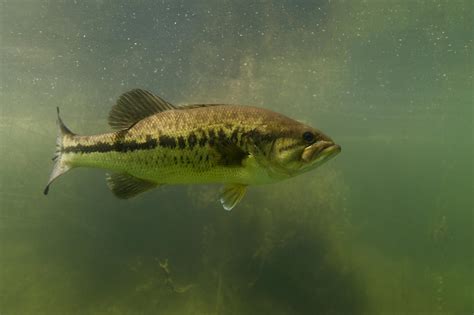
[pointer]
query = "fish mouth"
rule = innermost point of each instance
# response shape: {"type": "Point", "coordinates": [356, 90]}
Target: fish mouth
{"type": "Point", "coordinates": [331, 150]}
{"type": "Point", "coordinates": [320, 151]}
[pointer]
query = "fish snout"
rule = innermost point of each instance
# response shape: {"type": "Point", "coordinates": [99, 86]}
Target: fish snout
{"type": "Point", "coordinates": [323, 148]}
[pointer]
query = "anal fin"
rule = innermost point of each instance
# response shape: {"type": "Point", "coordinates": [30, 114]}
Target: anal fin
{"type": "Point", "coordinates": [231, 195]}
{"type": "Point", "coordinates": [126, 186]}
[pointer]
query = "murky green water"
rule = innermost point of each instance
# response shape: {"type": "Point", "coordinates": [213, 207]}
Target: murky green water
{"type": "Point", "coordinates": [385, 228]}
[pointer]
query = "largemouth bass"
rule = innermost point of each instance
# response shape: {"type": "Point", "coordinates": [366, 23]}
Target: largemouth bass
{"type": "Point", "coordinates": [156, 143]}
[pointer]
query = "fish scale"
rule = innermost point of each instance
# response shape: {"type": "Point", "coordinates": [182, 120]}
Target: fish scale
{"type": "Point", "coordinates": [157, 143]}
{"type": "Point", "coordinates": [202, 161]}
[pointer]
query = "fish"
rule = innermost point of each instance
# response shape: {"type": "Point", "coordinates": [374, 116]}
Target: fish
{"type": "Point", "coordinates": [155, 143]}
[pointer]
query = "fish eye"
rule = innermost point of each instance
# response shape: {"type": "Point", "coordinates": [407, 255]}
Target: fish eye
{"type": "Point", "coordinates": [308, 137]}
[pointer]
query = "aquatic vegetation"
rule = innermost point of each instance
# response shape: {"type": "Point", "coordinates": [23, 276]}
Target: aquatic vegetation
{"type": "Point", "coordinates": [274, 243]}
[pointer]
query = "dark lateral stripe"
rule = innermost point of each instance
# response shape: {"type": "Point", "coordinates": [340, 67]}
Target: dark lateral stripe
{"type": "Point", "coordinates": [221, 135]}
{"type": "Point", "coordinates": [235, 136]}
{"type": "Point", "coordinates": [130, 146]}
{"type": "Point", "coordinates": [167, 142]}
{"type": "Point", "coordinates": [214, 138]}
{"type": "Point", "coordinates": [181, 142]}
{"type": "Point", "coordinates": [202, 141]}
{"type": "Point", "coordinates": [192, 140]}
{"type": "Point", "coordinates": [101, 147]}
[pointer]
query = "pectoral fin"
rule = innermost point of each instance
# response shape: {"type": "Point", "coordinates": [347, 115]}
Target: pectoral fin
{"type": "Point", "coordinates": [125, 186]}
{"type": "Point", "coordinates": [230, 153]}
{"type": "Point", "coordinates": [231, 195]}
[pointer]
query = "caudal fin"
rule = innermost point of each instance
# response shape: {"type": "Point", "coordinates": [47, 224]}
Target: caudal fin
{"type": "Point", "coordinates": [59, 167]}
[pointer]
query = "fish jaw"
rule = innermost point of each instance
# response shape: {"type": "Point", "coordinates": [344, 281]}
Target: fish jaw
{"type": "Point", "coordinates": [320, 152]}
{"type": "Point", "coordinates": [320, 149]}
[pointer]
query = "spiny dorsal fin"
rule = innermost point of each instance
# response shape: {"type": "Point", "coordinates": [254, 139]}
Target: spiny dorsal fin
{"type": "Point", "coordinates": [192, 106]}
{"type": "Point", "coordinates": [125, 186]}
{"type": "Point", "coordinates": [231, 194]}
{"type": "Point", "coordinates": [134, 106]}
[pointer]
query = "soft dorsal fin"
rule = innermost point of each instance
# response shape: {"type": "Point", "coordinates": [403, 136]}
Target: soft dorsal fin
{"type": "Point", "coordinates": [135, 105]}
{"type": "Point", "coordinates": [126, 186]}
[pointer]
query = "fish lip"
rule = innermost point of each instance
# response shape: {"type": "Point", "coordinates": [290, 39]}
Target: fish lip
{"type": "Point", "coordinates": [325, 149]}
{"type": "Point", "coordinates": [331, 150]}
{"type": "Point", "coordinates": [328, 152]}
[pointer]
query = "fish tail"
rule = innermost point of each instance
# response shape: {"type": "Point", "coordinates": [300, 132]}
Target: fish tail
{"type": "Point", "coordinates": [60, 166]}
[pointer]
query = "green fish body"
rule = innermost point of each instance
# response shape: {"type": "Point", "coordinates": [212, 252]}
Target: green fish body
{"type": "Point", "coordinates": [157, 143]}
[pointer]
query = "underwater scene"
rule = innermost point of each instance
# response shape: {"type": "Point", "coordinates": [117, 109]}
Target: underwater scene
{"type": "Point", "coordinates": [383, 227]}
